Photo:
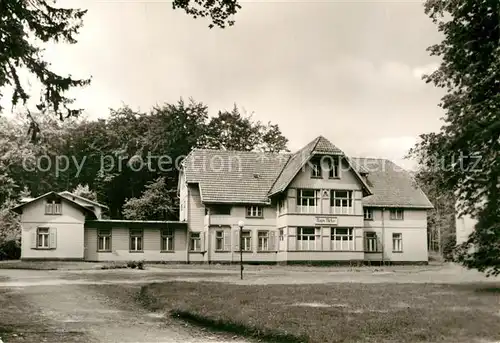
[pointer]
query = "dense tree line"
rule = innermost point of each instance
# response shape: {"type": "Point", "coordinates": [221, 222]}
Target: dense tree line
{"type": "Point", "coordinates": [463, 158]}
{"type": "Point", "coordinates": [128, 161]}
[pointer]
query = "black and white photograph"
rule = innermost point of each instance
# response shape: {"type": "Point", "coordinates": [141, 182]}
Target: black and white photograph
{"type": "Point", "coordinates": [238, 171]}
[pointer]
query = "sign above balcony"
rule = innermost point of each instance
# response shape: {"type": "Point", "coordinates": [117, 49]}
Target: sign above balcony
{"type": "Point", "coordinates": [325, 221]}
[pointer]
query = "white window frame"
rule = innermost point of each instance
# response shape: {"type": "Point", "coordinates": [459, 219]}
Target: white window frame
{"type": "Point", "coordinates": [397, 242]}
{"type": "Point", "coordinates": [342, 239]}
{"type": "Point", "coordinates": [316, 169]}
{"type": "Point", "coordinates": [220, 238]}
{"type": "Point", "coordinates": [307, 203]}
{"type": "Point", "coordinates": [246, 240]}
{"type": "Point", "coordinates": [195, 241]}
{"type": "Point", "coordinates": [104, 236]}
{"type": "Point", "coordinates": [136, 237]}
{"type": "Point", "coordinates": [308, 241]}
{"type": "Point", "coordinates": [167, 239]}
{"type": "Point", "coordinates": [53, 207]}
{"type": "Point", "coordinates": [43, 238]}
{"type": "Point", "coordinates": [371, 244]}
{"type": "Point", "coordinates": [334, 168]}
{"type": "Point", "coordinates": [342, 204]}
{"type": "Point", "coordinates": [368, 213]}
{"type": "Point", "coordinates": [281, 235]}
{"type": "Point", "coordinates": [255, 211]}
{"type": "Point", "coordinates": [396, 214]}
{"type": "Point", "coordinates": [263, 240]}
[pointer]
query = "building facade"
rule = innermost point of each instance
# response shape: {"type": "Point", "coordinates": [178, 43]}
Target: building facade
{"type": "Point", "coordinates": [316, 205]}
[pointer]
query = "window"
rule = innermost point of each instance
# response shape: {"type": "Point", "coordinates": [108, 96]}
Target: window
{"type": "Point", "coordinates": [104, 240]}
{"type": "Point", "coordinates": [307, 200]}
{"type": "Point", "coordinates": [195, 241]}
{"type": "Point", "coordinates": [281, 206]}
{"type": "Point", "coordinates": [282, 235]}
{"type": "Point", "coordinates": [333, 168]}
{"type": "Point", "coordinates": [53, 206]}
{"type": "Point", "coordinates": [371, 242]}
{"type": "Point", "coordinates": [342, 238]}
{"type": "Point", "coordinates": [316, 169]}
{"type": "Point", "coordinates": [368, 213]}
{"type": "Point", "coordinates": [307, 238]}
{"type": "Point", "coordinates": [397, 242]}
{"type": "Point", "coordinates": [42, 240]}
{"type": "Point", "coordinates": [220, 209]}
{"type": "Point", "coordinates": [167, 239]}
{"type": "Point", "coordinates": [136, 237]}
{"type": "Point", "coordinates": [341, 202]}
{"type": "Point", "coordinates": [396, 214]}
{"type": "Point", "coordinates": [219, 240]}
{"type": "Point", "coordinates": [254, 211]}
{"type": "Point", "coordinates": [246, 240]}
{"type": "Point", "coordinates": [263, 237]}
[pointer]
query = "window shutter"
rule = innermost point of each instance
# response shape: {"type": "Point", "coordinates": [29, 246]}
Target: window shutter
{"type": "Point", "coordinates": [272, 241]}
{"type": "Point", "coordinates": [236, 240]}
{"type": "Point", "coordinates": [379, 244]}
{"type": "Point", "coordinates": [33, 239]}
{"type": "Point", "coordinates": [202, 241]}
{"type": "Point", "coordinates": [52, 238]}
{"type": "Point", "coordinates": [227, 240]}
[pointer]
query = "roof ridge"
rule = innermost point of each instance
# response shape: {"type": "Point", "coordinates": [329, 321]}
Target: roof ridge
{"type": "Point", "coordinates": [281, 172]}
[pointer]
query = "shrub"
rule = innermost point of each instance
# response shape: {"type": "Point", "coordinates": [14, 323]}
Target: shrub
{"type": "Point", "coordinates": [140, 265]}
{"type": "Point", "coordinates": [10, 250]}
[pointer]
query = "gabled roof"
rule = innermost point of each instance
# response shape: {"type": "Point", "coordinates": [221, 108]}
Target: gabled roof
{"type": "Point", "coordinates": [18, 208]}
{"type": "Point", "coordinates": [67, 194]}
{"type": "Point", "coordinates": [233, 176]}
{"type": "Point", "coordinates": [320, 145]}
{"type": "Point", "coordinates": [392, 186]}
{"type": "Point", "coordinates": [251, 177]}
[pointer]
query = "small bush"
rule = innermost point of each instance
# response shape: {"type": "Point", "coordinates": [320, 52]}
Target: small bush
{"type": "Point", "coordinates": [10, 250]}
{"type": "Point", "coordinates": [140, 265]}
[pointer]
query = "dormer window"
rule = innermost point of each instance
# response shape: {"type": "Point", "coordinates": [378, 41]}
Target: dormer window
{"type": "Point", "coordinates": [53, 206]}
{"type": "Point", "coordinates": [316, 169]}
{"type": "Point", "coordinates": [334, 168]}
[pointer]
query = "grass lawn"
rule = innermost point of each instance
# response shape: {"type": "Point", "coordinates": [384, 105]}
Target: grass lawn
{"type": "Point", "coordinates": [336, 312]}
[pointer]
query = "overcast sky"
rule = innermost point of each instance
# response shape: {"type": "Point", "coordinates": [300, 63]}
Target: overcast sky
{"type": "Point", "coordinates": [347, 70]}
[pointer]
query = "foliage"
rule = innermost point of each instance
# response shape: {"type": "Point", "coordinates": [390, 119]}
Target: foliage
{"type": "Point", "coordinates": [10, 228]}
{"type": "Point", "coordinates": [219, 11]}
{"type": "Point", "coordinates": [23, 26]}
{"type": "Point", "coordinates": [114, 160]}
{"type": "Point", "coordinates": [10, 250]}
{"type": "Point", "coordinates": [232, 131]}
{"type": "Point", "coordinates": [465, 153]}
{"type": "Point", "coordinates": [85, 192]}
{"type": "Point", "coordinates": [154, 203]}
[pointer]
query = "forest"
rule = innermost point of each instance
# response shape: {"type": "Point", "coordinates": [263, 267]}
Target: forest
{"type": "Point", "coordinates": [118, 161]}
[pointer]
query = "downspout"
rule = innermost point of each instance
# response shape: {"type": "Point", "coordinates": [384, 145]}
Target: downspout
{"type": "Point", "coordinates": [383, 235]}
{"type": "Point", "coordinates": [188, 213]}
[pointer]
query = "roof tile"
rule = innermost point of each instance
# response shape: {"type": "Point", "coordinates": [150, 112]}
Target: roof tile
{"type": "Point", "coordinates": [251, 177]}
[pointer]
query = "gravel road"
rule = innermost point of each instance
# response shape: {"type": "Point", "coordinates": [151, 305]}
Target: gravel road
{"type": "Point", "coordinates": [87, 313]}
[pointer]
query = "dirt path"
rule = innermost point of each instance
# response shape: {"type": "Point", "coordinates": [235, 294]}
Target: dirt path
{"type": "Point", "coordinates": [87, 313]}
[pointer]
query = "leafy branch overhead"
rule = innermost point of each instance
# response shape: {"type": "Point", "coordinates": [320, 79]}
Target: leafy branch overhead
{"type": "Point", "coordinates": [219, 11]}
{"type": "Point", "coordinates": [24, 24]}
{"type": "Point", "coordinates": [464, 156]}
